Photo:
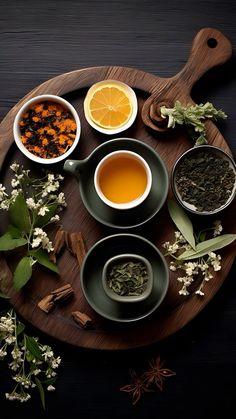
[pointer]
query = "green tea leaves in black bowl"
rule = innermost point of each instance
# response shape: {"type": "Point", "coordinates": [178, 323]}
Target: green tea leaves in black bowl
{"type": "Point", "coordinates": [204, 180]}
{"type": "Point", "coordinates": [127, 278]}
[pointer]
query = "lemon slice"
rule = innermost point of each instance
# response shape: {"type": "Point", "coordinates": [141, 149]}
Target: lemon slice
{"type": "Point", "coordinates": [109, 105]}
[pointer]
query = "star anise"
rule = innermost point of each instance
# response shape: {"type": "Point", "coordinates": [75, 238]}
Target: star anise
{"type": "Point", "coordinates": [157, 373]}
{"type": "Point", "coordinates": [137, 387]}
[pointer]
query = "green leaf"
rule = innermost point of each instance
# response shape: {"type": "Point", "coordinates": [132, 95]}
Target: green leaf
{"type": "Point", "coordinates": [14, 232]}
{"type": "Point", "coordinates": [202, 236]}
{"type": "Point", "coordinates": [23, 272]}
{"type": "Point", "coordinates": [20, 328]}
{"type": "Point", "coordinates": [182, 222]}
{"type": "Point", "coordinates": [42, 221]}
{"type": "Point", "coordinates": [9, 243]}
{"type": "Point", "coordinates": [19, 214]}
{"type": "Point", "coordinates": [41, 391]}
{"type": "Point", "coordinates": [208, 246]}
{"type": "Point", "coordinates": [43, 258]}
{"type": "Point", "coordinates": [2, 295]}
{"type": "Point", "coordinates": [33, 347]}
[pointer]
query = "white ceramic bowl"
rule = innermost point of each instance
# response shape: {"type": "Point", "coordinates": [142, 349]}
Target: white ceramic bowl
{"type": "Point", "coordinates": [110, 158]}
{"type": "Point", "coordinates": [17, 134]}
{"type": "Point", "coordinates": [130, 92]}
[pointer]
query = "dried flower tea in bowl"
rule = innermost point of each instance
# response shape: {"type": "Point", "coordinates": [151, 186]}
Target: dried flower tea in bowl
{"type": "Point", "coordinates": [47, 129]}
{"type": "Point", "coordinates": [204, 180]}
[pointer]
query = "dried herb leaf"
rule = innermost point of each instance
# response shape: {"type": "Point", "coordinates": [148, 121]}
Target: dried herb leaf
{"type": "Point", "coordinates": [182, 222]}
{"type": "Point", "coordinates": [192, 116]}
{"type": "Point", "coordinates": [207, 246]}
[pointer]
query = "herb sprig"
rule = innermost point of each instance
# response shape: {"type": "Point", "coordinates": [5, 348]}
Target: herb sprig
{"type": "Point", "coordinates": [192, 116]}
{"type": "Point", "coordinates": [194, 254]}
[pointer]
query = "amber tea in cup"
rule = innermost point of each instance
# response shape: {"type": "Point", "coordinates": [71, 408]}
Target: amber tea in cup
{"type": "Point", "coordinates": [123, 179]}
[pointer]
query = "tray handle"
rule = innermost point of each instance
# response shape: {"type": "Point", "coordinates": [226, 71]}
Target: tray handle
{"type": "Point", "coordinates": [210, 48]}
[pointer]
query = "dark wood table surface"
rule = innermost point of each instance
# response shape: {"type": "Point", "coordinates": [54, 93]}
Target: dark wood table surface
{"type": "Point", "coordinates": [42, 39]}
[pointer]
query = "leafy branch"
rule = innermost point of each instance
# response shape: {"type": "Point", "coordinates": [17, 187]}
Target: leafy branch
{"type": "Point", "coordinates": [32, 205]}
{"type": "Point", "coordinates": [192, 253]}
{"type": "Point", "coordinates": [192, 116]}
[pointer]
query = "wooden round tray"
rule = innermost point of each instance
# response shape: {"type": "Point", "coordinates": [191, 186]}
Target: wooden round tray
{"type": "Point", "coordinates": [210, 48]}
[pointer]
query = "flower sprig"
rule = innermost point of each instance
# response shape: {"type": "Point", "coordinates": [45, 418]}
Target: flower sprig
{"type": "Point", "coordinates": [32, 205]}
{"type": "Point", "coordinates": [32, 364]}
{"type": "Point", "coordinates": [194, 254]}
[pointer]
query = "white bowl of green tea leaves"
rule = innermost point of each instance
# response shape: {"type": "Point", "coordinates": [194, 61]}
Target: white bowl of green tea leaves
{"type": "Point", "coordinates": [203, 180]}
{"type": "Point", "coordinates": [127, 278]}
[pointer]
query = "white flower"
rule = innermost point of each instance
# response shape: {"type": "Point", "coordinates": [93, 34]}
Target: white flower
{"type": "Point", "coordinates": [172, 267]}
{"type": "Point", "coordinates": [14, 167]}
{"type": "Point", "coordinates": [2, 353]}
{"type": "Point", "coordinates": [48, 353]}
{"type": "Point", "coordinates": [199, 292]}
{"type": "Point", "coordinates": [31, 204]}
{"type": "Point", "coordinates": [15, 183]}
{"type": "Point", "coordinates": [4, 205]}
{"type": "Point", "coordinates": [212, 255]}
{"type": "Point", "coordinates": [43, 211]}
{"type": "Point", "coordinates": [36, 242]}
{"type": "Point", "coordinates": [3, 194]}
{"type": "Point", "coordinates": [38, 232]}
{"type": "Point", "coordinates": [61, 199]}
{"type": "Point", "coordinates": [218, 228]}
{"type": "Point", "coordinates": [51, 177]}
{"type": "Point", "coordinates": [55, 218]}
{"type": "Point", "coordinates": [10, 339]}
{"type": "Point", "coordinates": [50, 388]}
{"type": "Point", "coordinates": [216, 265]}
{"type": "Point", "coordinates": [14, 194]}
{"type": "Point", "coordinates": [183, 291]}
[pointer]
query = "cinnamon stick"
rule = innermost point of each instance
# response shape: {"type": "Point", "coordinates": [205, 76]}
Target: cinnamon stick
{"type": "Point", "coordinates": [47, 303]}
{"type": "Point", "coordinates": [58, 244]}
{"type": "Point", "coordinates": [82, 319]}
{"type": "Point", "coordinates": [60, 294]}
{"type": "Point", "coordinates": [75, 244]}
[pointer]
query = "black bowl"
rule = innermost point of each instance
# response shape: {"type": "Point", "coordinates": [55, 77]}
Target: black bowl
{"type": "Point", "coordinates": [199, 183]}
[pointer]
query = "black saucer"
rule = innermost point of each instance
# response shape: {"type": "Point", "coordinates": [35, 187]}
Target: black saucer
{"type": "Point", "coordinates": [132, 217]}
{"type": "Point", "coordinates": [91, 277]}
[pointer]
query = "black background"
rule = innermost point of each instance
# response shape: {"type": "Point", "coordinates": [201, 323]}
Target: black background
{"type": "Point", "coordinates": [41, 39]}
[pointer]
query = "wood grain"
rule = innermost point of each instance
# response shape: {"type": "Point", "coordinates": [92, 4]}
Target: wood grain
{"type": "Point", "coordinates": [175, 312]}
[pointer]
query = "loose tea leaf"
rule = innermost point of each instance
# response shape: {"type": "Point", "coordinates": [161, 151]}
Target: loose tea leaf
{"type": "Point", "coordinates": [128, 278]}
{"type": "Point", "coordinates": [205, 181]}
